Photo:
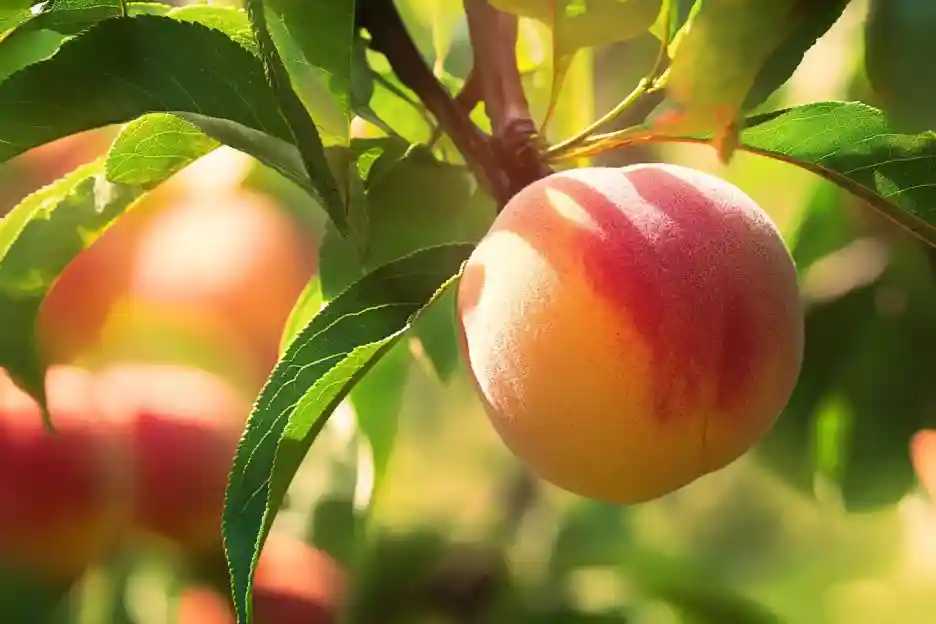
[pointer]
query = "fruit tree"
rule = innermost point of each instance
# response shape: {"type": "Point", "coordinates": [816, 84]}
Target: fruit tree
{"type": "Point", "coordinates": [624, 309]}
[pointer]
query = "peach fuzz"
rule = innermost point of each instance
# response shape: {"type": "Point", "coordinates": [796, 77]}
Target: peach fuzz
{"type": "Point", "coordinates": [63, 497]}
{"type": "Point", "coordinates": [631, 329]}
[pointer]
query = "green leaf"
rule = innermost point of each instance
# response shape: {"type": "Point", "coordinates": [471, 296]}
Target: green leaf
{"type": "Point", "coordinates": [14, 13]}
{"type": "Point", "coordinates": [392, 100]}
{"type": "Point", "coordinates": [577, 24]}
{"type": "Point", "coordinates": [808, 21]}
{"type": "Point", "coordinates": [303, 128]}
{"type": "Point", "coordinates": [150, 149]}
{"type": "Point", "coordinates": [307, 306]}
{"type": "Point", "coordinates": [25, 47]}
{"type": "Point", "coordinates": [715, 605]}
{"type": "Point", "coordinates": [852, 145]}
{"type": "Point", "coordinates": [275, 153]}
{"type": "Point", "coordinates": [437, 332]}
{"type": "Point", "coordinates": [734, 53]}
{"type": "Point", "coordinates": [72, 16]}
{"type": "Point", "coordinates": [587, 23]}
{"type": "Point", "coordinates": [377, 401]}
{"type": "Point", "coordinates": [137, 65]}
{"type": "Point", "coordinates": [319, 368]}
{"type": "Point", "coordinates": [788, 448]}
{"type": "Point", "coordinates": [846, 421]}
{"type": "Point", "coordinates": [142, 65]}
{"type": "Point", "coordinates": [38, 239]}
{"type": "Point", "coordinates": [229, 20]}
{"type": "Point", "coordinates": [896, 32]}
{"type": "Point", "coordinates": [40, 37]}
{"type": "Point", "coordinates": [321, 36]}
{"type": "Point", "coordinates": [412, 201]}
{"type": "Point", "coordinates": [671, 18]}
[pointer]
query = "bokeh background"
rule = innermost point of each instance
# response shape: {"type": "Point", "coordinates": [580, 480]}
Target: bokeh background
{"type": "Point", "coordinates": [173, 319]}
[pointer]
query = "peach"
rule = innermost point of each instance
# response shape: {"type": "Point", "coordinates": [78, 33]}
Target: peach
{"type": "Point", "coordinates": [184, 425]}
{"type": "Point", "coordinates": [62, 503]}
{"type": "Point", "coordinates": [295, 584]}
{"type": "Point", "coordinates": [631, 329]}
{"type": "Point", "coordinates": [228, 264]}
{"type": "Point", "coordinates": [235, 257]}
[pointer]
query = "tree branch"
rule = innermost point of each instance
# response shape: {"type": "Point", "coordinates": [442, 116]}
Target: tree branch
{"type": "Point", "coordinates": [390, 37]}
{"type": "Point", "coordinates": [494, 36]}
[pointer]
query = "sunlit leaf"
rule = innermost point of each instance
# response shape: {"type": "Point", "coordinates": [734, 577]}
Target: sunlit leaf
{"type": "Point", "coordinates": [71, 16]}
{"type": "Point", "coordinates": [229, 20]}
{"type": "Point", "coordinates": [13, 13]}
{"type": "Point", "coordinates": [672, 18]}
{"type": "Point", "coordinates": [577, 24]}
{"type": "Point", "coordinates": [587, 23]}
{"type": "Point", "coordinates": [150, 149]}
{"type": "Point", "coordinates": [150, 64]}
{"type": "Point", "coordinates": [852, 145]}
{"type": "Point", "coordinates": [137, 65]}
{"type": "Point", "coordinates": [38, 240]}
{"type": "Point", "coordinates": [317, 371]}
{"type": "Point", "coordinates": [307, 138]}
{"type": "Point", "coordinates": [22, 48]}
{"type": "Point", "coordinates": [733, 54]}
{"type": "Point", "coordinates": [317, 40]}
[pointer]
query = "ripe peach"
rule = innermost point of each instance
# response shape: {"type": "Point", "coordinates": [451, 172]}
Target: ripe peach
{"type": "Point", "coordinates": [234, 256]}
{"type": "Point", "coordinates": [631, 329]}
{"type": "Point", "coordinates": [184, 425]}
{"type": "Point", "coordinates": [923, 456]}
{"type": "Point", "coordinates": [295, 584]}
{"type": "Point", "coordinates": [62, 504]}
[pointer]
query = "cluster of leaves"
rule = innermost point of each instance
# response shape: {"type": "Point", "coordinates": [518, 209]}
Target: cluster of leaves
{"type": "Point", "coordinates": [282, 80]}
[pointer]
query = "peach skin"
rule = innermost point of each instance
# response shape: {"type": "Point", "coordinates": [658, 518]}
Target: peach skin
{"type": "Point", "coordinates": [631, 329]}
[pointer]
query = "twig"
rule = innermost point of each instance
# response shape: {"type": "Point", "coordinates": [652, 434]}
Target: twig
{"type": "Point", "coordinates": [395, 90]}
{"type": "Point", "coordinates": [468, 97]}
{"type": "Point", "coordinates": [390, 37]}
{"type": "Point", "coordinates": [652, 84]}
{"type": "Point", "coordinates": [518, 145]}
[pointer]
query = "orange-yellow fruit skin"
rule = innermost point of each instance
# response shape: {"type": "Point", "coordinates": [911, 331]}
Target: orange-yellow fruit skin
{"type": "Point", "coordinates": [631, 329]}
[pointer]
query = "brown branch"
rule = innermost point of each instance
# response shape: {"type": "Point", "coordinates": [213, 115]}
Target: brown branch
{"type": "Point", "coordinates": [468, 97]}
{"type": "Point", "coordinates": [494, 42]}
{"type": "Point", "coordinates": [494, 36]}
{"type": "Point", "coordinates": [390, 37]}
